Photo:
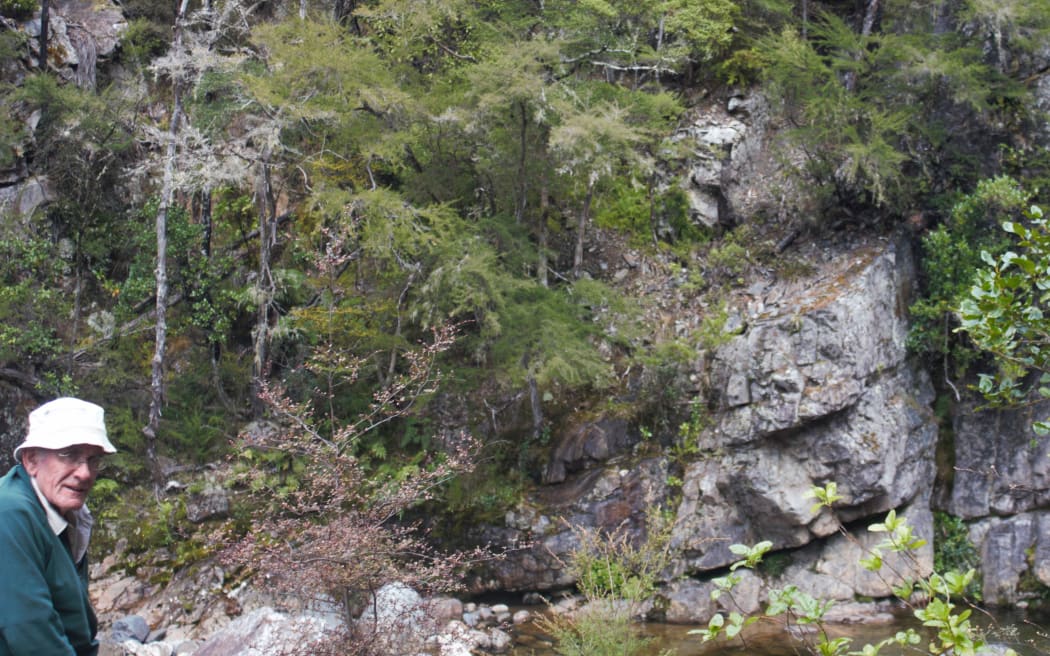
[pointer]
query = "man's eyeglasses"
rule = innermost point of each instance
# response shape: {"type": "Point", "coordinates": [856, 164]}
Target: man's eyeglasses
{"type": "Point", "coordinates": [75, 458]}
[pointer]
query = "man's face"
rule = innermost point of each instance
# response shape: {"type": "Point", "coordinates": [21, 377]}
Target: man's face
{"type": "Point", "coordinates": [65, 476]}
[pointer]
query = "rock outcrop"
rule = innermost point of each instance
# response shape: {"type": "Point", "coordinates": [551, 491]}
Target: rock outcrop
{"type": "Point", "coordinates": [1001, 467]}
{"type": "Point", "coordinates": [816, 387]}
{"type": "Point", "coordinates": [731, 150]}
{"type": "Point", "coordinates": [81, 36]}
{"type": "Point", "coordinates": [999, 482]}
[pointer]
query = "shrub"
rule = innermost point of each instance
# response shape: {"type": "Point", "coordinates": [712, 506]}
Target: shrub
{"type": "Point", "coordinates": [17, 8]}
{"type": "Point", "coordinates": [951, 254]}
{"type": "Point", "coordinates": [616, 572]}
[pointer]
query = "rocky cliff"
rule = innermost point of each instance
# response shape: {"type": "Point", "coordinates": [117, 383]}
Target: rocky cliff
{"type": "Point", "coordinates": [815, 385]}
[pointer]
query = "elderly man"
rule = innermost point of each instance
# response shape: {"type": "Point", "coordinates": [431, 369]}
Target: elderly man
{"type": "Point", "coordinates": [44, 532]}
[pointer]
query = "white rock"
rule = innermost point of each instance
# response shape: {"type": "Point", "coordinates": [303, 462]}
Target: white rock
{"type": "Point", "coordinates": [396, 620]}
{"type": "Point", "coordinates": [133, 648]}
{"type": "Point", "coordinates": [499, 641]}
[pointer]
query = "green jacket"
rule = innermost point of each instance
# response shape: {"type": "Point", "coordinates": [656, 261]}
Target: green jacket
{"type": "Point", "coordinates": [44, 606]}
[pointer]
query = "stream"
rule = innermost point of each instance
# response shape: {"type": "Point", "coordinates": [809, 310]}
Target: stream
{"type": "Point", "coordinates": [1026, 634]}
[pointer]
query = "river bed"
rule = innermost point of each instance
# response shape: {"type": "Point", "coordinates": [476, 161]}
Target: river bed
{"type": "Point", "coordinates": [1026, 634]}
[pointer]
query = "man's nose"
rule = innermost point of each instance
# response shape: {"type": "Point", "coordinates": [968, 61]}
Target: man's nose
{"type": "Point", "coordinates": [84, 470]}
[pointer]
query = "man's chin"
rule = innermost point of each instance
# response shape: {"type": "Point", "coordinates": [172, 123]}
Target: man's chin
{"type": "Point", "coordinates": [72, 501]}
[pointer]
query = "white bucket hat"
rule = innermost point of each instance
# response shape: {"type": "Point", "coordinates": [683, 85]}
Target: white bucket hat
{"type": "Point", "coordinates": [64, 423]}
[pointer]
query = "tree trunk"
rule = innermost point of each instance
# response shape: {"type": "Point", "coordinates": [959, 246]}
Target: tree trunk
{"type": "Point", "coordinates": [206, 222]}
{"type": "Point", "coordinates": [265, 287]}
{"type": "Point", "coordinates": [167, 196]}
{"type": "Point", "coordinates": [207, 229]}
{"type": "Point", "coordinates": [78, 289]}
{"type": "Point", "coordinates": [545, 202]}
{"type": "Point", "coordinates": [45, 19]}
{"type": "Point", "coordinates": [343, 10]}
{"type": "Point", "coordinates": [537, 407]}
{"type": "Point", "coordinates": [519, 209]}
{"type": "Point", "coordinates": [585, 215]}
{"type": "Point", "coordinates": [871, 15]}
{"type": "Point", "coordinates": [653, 231]}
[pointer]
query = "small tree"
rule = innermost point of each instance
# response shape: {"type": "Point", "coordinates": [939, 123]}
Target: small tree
{"type": "Point", "coordinates": [873, 107]}
{"type": "Point", "coordinates": [951, 255]}
{"type": "Point", "coordinates": [591, 144]}
{"type": "Point", "coordinates": [1005, 315]}
{"type": "Point", "coordinates": [328, 527]}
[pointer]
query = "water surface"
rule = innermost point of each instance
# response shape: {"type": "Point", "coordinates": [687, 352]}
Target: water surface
{"type": "Point", "coordinates": [1027, 634]}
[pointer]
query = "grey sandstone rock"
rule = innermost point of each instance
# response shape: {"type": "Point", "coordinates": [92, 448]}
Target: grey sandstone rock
{"type": "Point", "coordinates": [689, 601]}
{"type": "Point", "coordinates": [132, 627]}
{"type": "Point", "coordinates": [499, 641]}
{"type": "Point", "coordinates": [817, 387]}
{"type": "Point", "coordinates": [263, 632]}
{"type": "Point", "coordinates": [212, 503]}
{"type": "Point", "coordinates": [132, 648]}
{"type": "Point", "coordinates": [442, 609]}
{"type": "Point", "coordinates": [842, 334]}
{"type": "Point", "coordinates": [832, 397]}
{"type": "Point", "coordinates": [1001, 466]}
{"type": "Point", "coordinates": [1012, 549]}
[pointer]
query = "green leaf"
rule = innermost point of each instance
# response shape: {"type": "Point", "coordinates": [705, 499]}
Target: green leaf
{"type": "Point", "coordinates": [873, 563]}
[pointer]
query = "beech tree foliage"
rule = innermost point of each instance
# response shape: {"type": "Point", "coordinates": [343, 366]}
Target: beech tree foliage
{"type": "Point", "coordinates": [873, 113]}
{"type": "Point", "coordinates": [1006, 315]}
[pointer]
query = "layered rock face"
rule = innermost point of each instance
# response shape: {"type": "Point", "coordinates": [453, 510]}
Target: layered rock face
{"type": "Point", "coordinates": [816, 387]}
{"type": "Point", "coordinates": [1001, 485]}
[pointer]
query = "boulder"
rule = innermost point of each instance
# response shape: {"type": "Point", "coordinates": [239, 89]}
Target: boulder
{"type": "Point", "coordinates": [25, 197]}
{"type": "Point", "coordinates": [824, 393]}
{"type": "Point", "coordinates": [690, 601]}
{"type": "Point", "coordinates": [80, 35]}
{"type": "Point", "coordinates": [132, 627]}
{"type": "Point", "coordinates": [816, 352]}
{"type": "Point", "coordinates": [442, 609]}
{"type": "Point", "coordinates": [211, 503]}
{"type": "Point", "coordinates": [395, 623]}
{"type": "Point", "coordinates": [583, 446]}
{"type": "Point", "coordinates": [840, 557]}
{"type": "Point", "coordinates": [262, 632]}
{"type": "Point", "coordinates": [729, 152]}
{"type": "Point", "coordinates": [609, 498]}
